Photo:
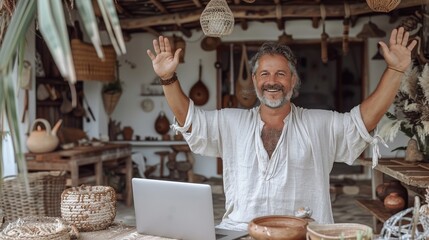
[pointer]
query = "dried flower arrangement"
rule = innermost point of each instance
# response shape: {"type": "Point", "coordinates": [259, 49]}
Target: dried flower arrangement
{"type": "Point", "coordinates": [411, 109]}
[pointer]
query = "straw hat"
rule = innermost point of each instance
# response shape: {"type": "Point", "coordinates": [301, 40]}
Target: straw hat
{"type": "Point", "coordinates": [210, 43]}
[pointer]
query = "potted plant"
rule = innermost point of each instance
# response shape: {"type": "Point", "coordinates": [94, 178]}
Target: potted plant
{"type": "Point", "coordinates": [411, 110]}
{"type": "Point", "coordinates": [111, 93]}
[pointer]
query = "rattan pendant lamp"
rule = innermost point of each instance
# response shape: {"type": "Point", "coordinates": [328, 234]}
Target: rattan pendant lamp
{"type": "Point", "coordinates": [217, 19]}
{"type": "Point", "coordinates": [383, 5]}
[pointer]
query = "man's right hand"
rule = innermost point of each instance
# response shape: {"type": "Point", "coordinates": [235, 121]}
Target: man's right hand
{"type": "Point", "coordinates": [164, 63]}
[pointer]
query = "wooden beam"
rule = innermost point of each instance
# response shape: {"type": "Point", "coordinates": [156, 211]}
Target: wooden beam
{"type": "Point", "coordinates": [159, 6]}
{"type": "Point", "coordinates": [197, 3]}
{"type": "Point", "coordinates": [253, 12]}
{"type": "Point", "coordinates": [152, 31]}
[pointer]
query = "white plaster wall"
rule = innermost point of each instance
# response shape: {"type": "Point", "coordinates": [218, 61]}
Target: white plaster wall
{"type": "Point", "coordinates": [129, 112]}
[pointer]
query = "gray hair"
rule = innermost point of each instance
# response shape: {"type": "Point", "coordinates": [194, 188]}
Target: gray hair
{"type": "Point", "coordinates": [275, 48]}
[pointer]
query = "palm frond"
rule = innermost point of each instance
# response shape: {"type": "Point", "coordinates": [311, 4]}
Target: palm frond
{"type": "Point", "coordinates": [10, 56]}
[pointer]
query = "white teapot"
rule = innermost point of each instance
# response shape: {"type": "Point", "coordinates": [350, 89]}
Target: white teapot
{"type": "Point", "coordinates": [43, 140]}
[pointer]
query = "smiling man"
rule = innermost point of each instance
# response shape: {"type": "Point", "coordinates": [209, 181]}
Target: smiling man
{"type": "Point", "coordinates": [277, 156]}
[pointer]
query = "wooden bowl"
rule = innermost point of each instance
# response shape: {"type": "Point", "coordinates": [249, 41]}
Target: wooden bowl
{"type": "Point", "coordinates": [278, 227]}
{"type": "Point", "coordinates": [345, 231]}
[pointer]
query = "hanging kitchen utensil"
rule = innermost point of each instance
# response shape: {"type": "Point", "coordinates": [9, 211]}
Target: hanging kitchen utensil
{"type": "Point", "coordinates": [229, 100]}
{"type": "Point", "coordinates": [244, 88]}
{"type": "Point", "coordinates": [162, 125]}
{"type": "Point", "coordinates": [66, 105]}
{"type": "Point", "coordinates": [25, 111]}
{"type": "Point", "coordinates": [42, 92]}
{"type": "Point", "coordinates": [199, 93]}
{"type": "Point", "coordinates": [370, 30]}
{"type": "Point", "coordinates": [79, 111]}
{"type": "Point", "coordinates": [88, 107]}
{"type": "Point", "coordinates": [325, 36]}
{"type": "Point", "coordinates": [346, 28]}
{"type": "Point", "coordinates": [210, 43]}
{"type": "Point", "coordinates": [25, 84]}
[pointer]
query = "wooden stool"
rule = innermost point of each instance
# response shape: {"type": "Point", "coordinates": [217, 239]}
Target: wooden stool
{"type": "Point", "coordinates": [162, 155]}
{"type": "Point", "coordinates": [189, 158]}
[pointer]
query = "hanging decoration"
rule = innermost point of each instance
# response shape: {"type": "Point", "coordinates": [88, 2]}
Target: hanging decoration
{"type": "Point", "coordinates": [217, 19]}
{"type": "Point", "coordinates": [383, 5]}
{"type": "Point", "coordinates": [370, 30]}
{"type": "Point", "coordinates": [324, 36]}
{"type": "Point", "coordinates": [285, 38]}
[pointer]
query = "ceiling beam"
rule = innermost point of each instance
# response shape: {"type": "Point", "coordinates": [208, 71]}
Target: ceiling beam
{"type": "Point", "coordinates": [159, 5]}
{"type": "Point", "coordinates": [197, 3]}
{"type": "Point", "coordinates": [254, 12]}
{"type": "Point", "coordinates": [152, 31]}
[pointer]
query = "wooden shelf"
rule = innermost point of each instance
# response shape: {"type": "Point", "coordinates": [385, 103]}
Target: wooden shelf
{"type": "Point", "coordinates": [414, 174]}
{"type": "Point", "coordinates": [375, 207]}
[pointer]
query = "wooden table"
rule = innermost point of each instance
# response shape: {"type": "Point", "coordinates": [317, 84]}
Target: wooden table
{"type": "Point", "coordinates": [71, 160]}
{"type": "Point", "coordinates": [120, 231]}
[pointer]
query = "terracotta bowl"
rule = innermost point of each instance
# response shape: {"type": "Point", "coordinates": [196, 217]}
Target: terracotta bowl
{"type": "Point", "coordinates": [344, 231]}
{"type": "Point", "coordinates": [277, 227]}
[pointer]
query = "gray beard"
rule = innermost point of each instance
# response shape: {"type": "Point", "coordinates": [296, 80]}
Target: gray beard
{"type": "Point", "coordinates": [274, 103]}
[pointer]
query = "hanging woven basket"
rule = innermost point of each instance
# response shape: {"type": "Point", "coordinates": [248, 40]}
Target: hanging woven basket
{"type": "Point", "coordinates": [217, 19]}
{"type": "Point", "coordinates": [110, 100]}
{"type": "Point", "coordinates": [383, 5]}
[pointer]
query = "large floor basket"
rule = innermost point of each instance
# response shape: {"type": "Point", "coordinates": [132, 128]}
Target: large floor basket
{"type": "Point", "coordinates": [41, 198]}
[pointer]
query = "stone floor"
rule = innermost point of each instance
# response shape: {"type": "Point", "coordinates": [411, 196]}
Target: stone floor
{"type": "Point", "coordinates": [343, 195]}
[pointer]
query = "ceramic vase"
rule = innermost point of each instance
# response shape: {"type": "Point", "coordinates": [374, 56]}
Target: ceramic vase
{"type": "Point", "coordinates": [384, 189]}
{"type": "Point", "coordinates": [394, 203]}
{"type": "Point", "coordinates": [127, 133]}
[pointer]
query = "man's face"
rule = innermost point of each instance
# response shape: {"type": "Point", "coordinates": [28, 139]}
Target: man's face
{"type": "Point", "coordinates": [274, 81]}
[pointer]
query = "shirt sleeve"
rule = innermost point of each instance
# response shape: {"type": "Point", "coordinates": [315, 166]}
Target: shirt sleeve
{"type": "Point", "coordinates": [356, 137]}
{"type": "Point", "coordinates": [204, 137]}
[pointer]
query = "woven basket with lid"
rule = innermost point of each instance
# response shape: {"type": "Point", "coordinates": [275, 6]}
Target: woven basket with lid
{"type": "Point", "coordinates": [89, 208]}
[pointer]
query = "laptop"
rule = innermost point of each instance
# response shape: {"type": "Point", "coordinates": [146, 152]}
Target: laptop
{"type": "Point", "coordinates": [177, 210]}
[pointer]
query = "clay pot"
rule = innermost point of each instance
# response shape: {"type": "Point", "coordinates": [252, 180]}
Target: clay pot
{"type": "Point", "coordinates": [278, 228]}
{"type": "Point", "coordinates": [394, 203]}
{"type": "Point", "coordinates": [384, 189]}
{"type": "Point", "coordinates": [127, 133]}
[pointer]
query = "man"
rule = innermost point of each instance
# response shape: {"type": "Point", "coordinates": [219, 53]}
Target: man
{"type": "Point", "coordinates": [277, 156]}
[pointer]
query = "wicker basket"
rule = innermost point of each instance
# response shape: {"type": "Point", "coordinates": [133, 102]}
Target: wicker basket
{"type": "Point", "coordinates": [344, 231]}
{"type": "Point", "coordinates": [89, 208]}
{"type": "Point", "coordinates": [42, 198]}
{"type": "Point", "coordinates": [40, 228]}
{"type": "Point", "coordinates": [383, 5]}
{"type": "Point", "coordinates": [89, 66]}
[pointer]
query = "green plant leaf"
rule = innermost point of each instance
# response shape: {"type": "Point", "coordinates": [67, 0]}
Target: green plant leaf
{"type": "Point", "coordinates": [86, 11]}
{"type": "Point", "coordinates": [11, 49]}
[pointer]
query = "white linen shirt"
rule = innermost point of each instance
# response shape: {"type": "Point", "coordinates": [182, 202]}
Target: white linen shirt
{"type": "Point", "coordinates": [296, 175]}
